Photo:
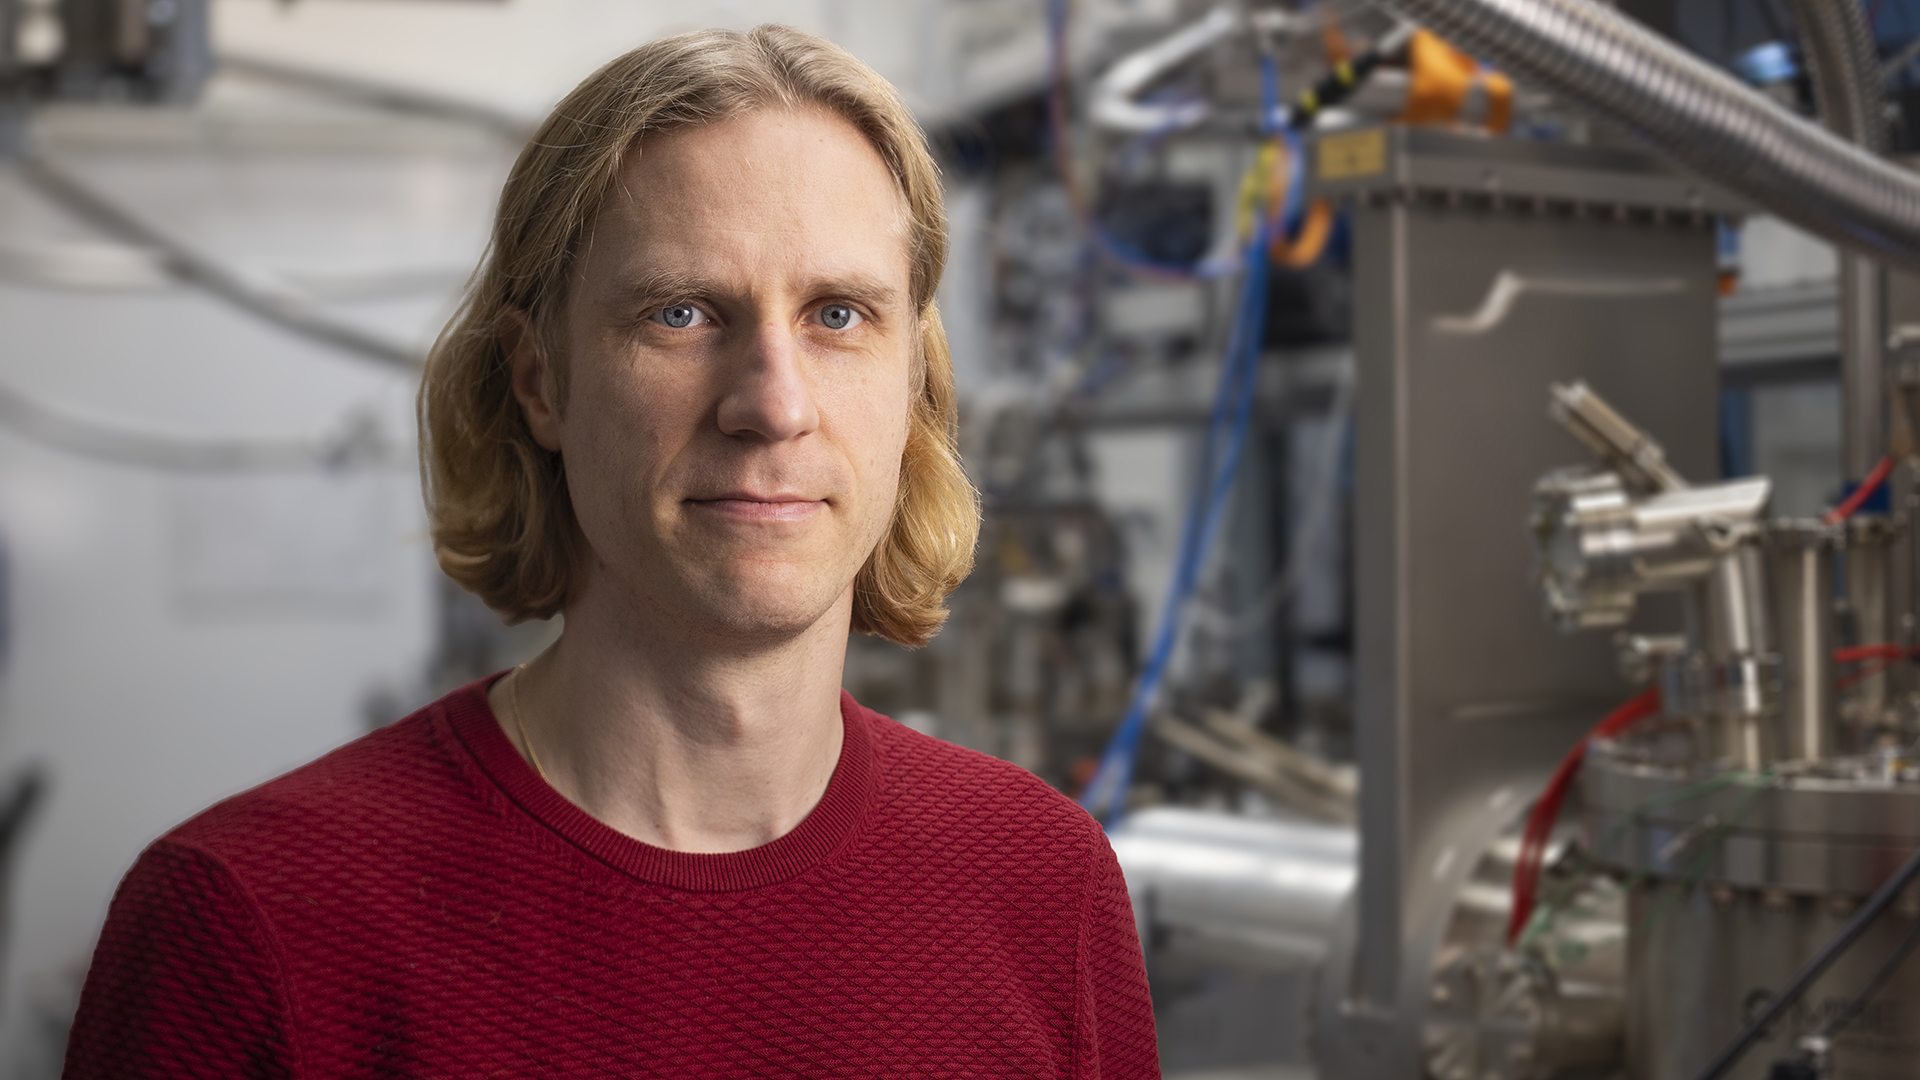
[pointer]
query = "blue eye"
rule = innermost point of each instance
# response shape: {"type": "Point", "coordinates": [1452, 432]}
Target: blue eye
{"type": "Point", "coordinates": [838, 317]}
{"type": "Point", "coordinates": [679, 316]}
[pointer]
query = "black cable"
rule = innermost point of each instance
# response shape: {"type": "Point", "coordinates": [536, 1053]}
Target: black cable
{"type": "Point", "coordinates": [1808, 1064]}
{"type": "Point", "coordinates": [1888, 966]}
{"type": "Point", "coordinates": [1830, 952]}
{"type": "Point", "coordinates": [1340, 83]}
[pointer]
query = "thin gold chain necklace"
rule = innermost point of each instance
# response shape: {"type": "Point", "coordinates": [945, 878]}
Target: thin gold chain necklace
{"type": "Point", "coordinates": [519, 721]}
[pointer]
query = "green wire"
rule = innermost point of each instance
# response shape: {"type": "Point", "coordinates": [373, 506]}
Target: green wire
{"type": "Point", "coordinates": [1548, 911]}
{"type": "Point", "coordinates": [1709, 847]}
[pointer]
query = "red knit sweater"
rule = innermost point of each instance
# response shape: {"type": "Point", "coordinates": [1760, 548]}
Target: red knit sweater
{"type": "Point", "coordinates": [419, 903]}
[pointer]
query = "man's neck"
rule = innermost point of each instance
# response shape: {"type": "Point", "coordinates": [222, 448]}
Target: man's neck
{"type": "Point", "coordinates": [677, 744]}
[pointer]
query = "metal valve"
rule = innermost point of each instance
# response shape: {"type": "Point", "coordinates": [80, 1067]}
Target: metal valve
{"type": "Point", "coordinates": [1603, 537]}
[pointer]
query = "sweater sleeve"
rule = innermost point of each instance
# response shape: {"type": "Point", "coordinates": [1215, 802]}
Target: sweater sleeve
{"type": "Point", "coordinates": [185, 981]}
{"type": "Point", "coordinates": [1115, 1030]}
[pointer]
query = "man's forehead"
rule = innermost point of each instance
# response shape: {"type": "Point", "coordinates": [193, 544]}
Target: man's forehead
{"type": "Point", "coordinates": [800, 194]}
{"type": "Point", "coordinates": [809, 161]}
{"type": "Point", "coordinates": [644, 264]}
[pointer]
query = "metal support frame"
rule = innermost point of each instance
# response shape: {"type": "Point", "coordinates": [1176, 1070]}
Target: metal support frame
{"type": "Point", "coordinates": [1485, 270]}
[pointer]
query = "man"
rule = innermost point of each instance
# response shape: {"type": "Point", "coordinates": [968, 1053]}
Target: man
{"type": "Point", "coordinates": [698, 402]}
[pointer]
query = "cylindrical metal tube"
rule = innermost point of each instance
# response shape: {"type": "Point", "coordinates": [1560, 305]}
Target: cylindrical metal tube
{"type": "Point", "coordinates": [1704, 959]}
{"type": "Point", "coordinates": [1736, 881]}
{"type": "Point", "coordinates": [1264, 893]}
{"type": "Point", "coordinates": [1843, 66]}
{"type": "Point", "coordinates": [1740, 647]}
{"type": "Point", "coordinates": [1869, 543]}
{"type": "Point", "coordinates": [1737, 621]}
{"type": "Point", "coordinates": [1863, 334]}
{"type": "Point", "coordinates": [1844, 70]}
{"type": "Point", "coordinates": [1800, 565]}
{"type": "Point", "coordinates": [1902, 365]}
{"type": "Point", "coordinates": [1599, 547]}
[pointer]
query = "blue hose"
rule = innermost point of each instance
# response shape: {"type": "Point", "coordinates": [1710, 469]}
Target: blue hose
{"type": "Point", "coordinates": [1227, 424]}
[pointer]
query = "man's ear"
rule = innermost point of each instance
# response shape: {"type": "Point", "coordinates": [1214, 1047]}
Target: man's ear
{"type": "Point", "coordinates": [532, 377]}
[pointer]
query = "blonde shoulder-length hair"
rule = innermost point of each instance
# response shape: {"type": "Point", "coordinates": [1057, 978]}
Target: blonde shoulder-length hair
{"type": "Point", "coordinates": [502, 522]}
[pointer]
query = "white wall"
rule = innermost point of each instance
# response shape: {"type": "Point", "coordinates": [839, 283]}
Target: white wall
{"type": "Point", "coordinates": [178, 637]}
{"type": "Point", "coordinates": [517, 55]}
{"type": "Point", "coordinates": [947, 57]}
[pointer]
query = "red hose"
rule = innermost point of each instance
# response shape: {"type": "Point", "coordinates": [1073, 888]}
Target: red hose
{"type": "Point", "coordinates": [1853, 654]}
{"type": "Point", "coordinates": [1862, 493]}
{"type": "Point", "coordinates": [1546, 809]}
{"type": "Point", "coordinates": [1887, 656]}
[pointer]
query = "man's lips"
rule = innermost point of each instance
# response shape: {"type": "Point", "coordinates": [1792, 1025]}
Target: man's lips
{"type": "Point", "coordinates": [753, 507]}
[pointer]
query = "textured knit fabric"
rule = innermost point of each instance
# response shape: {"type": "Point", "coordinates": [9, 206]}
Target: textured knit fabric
{"type": "Point", "coordinates": [420, 903]}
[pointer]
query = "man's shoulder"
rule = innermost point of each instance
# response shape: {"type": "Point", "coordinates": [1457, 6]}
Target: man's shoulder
{"type": "Point", "coordinates": [391, 782]}
{"type": "Point", "coordinates": [946, 788]}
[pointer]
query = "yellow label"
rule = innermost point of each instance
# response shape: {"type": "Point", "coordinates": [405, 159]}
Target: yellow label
{"type": "Point", "coordinates": [1356, 153]}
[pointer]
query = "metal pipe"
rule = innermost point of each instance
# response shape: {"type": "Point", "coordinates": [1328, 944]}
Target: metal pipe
{"type": "Point", "coordinates": [1696, 114]}
{"type": "Point", "coordinates": [1113, 95]}
{"type": "Point", "coordinates": [1264, 891]}
{"type": "Point", "coordinates": [1863, 336]}
{"type": "Point", "coordinates": [1757, 1028]}
{"type": "Point", "coordinates": [1843, 66]}
{"type": "Point", "coordinates": [1800, 554]}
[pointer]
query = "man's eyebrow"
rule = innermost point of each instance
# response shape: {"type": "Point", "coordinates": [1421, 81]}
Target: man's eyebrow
{"type": "Point", "coordinates": [858, 288]}
{"type": "Point", "coordinates": [662, 286]}
{"type": "Point", "coordinates": [665, 285]}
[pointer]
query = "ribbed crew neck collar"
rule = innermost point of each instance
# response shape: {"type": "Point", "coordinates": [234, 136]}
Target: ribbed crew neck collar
{"type": "Point", "coordinates": [829, 825]}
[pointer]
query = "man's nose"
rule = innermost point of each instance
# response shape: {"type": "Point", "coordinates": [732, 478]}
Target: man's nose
{"type": "Point", "coordinates": [767, 394]}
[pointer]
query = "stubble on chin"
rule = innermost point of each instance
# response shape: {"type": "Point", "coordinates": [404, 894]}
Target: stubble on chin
{"type": "Point", "coordinates": [723, 602]}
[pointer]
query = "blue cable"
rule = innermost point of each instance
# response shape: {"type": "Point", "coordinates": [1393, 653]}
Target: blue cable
{"type": "Point", "coordinates": [1235, 396]}
{"type": "Point", "coordinates": [1229, 418]}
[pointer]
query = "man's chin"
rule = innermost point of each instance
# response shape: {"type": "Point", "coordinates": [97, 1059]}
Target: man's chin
{"type": "Point", "coordinates": [750, 611]}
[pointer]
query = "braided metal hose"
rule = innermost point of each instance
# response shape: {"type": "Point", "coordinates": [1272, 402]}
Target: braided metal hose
{"type": "Point", "coordinates": [1695, 114]}
{"type": "Point", "coordinates": [1844, 67]}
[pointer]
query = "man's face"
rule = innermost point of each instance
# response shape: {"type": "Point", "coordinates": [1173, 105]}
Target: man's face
{"type": "Point", "coordinates": [739, 341]}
